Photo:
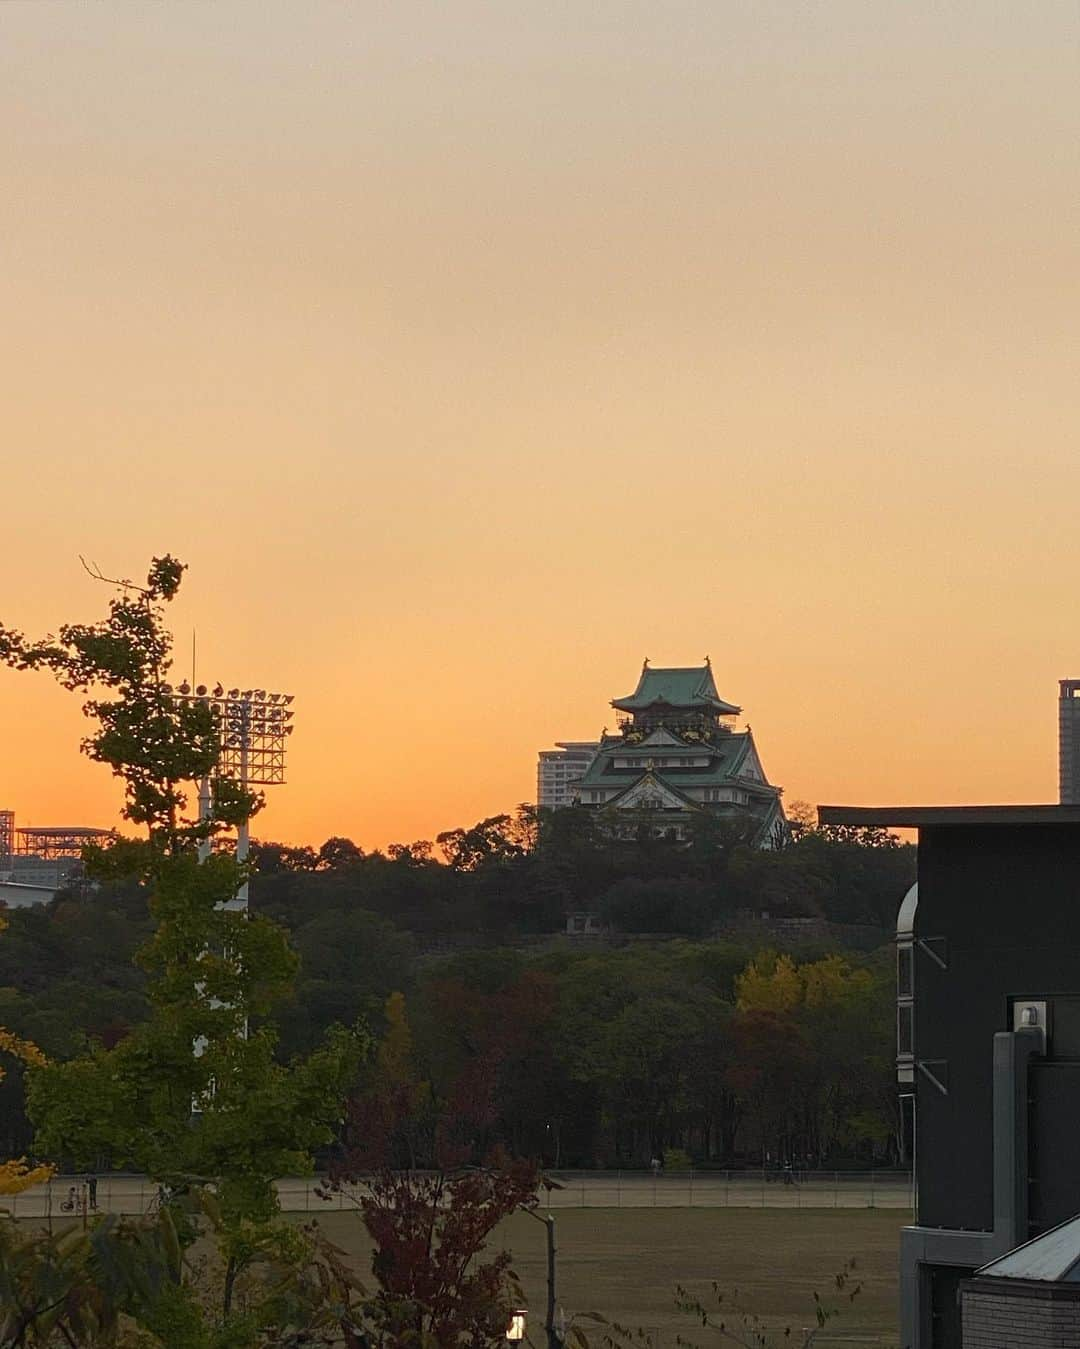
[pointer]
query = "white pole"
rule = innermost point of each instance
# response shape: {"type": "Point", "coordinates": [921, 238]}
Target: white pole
{"type": "Point", "coordinates": [242, 834]}
{"type": "Point", "coordinates": [242, 839]}
{"type": "Point", "coordinates": [204, 815]}
{"type": "Point", "coordinates": [242, 829]}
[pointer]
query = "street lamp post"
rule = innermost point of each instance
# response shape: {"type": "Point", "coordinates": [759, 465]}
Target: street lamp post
{"type": "Point", "coordinates": [548, 1219]}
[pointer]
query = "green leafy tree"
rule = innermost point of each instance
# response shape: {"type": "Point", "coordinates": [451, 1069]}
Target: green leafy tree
{"type": "Point", "coordinates": [351, 961]}
{"type": "Point", "coordinates": [193, 1096]}
{"type": "Point", "coordinates": [497, 839]}
{"type": "Point", "coordinates": [812, 1062]}
{"type": "Point", "coordinates": [676, 904]}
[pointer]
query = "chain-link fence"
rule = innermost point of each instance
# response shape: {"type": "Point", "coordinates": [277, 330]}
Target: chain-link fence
{"type": "Point", "coordinates": [74, 1196]}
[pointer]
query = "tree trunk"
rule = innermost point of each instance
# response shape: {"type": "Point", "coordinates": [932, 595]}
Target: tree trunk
{"type": "Point", "coordinates": [230, 1281]}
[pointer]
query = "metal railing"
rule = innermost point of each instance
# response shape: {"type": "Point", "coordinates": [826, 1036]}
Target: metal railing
{"type": "Point", "coordinates": [768, 1188]}
{"type": "Point", "coordinates": [74, 1196]}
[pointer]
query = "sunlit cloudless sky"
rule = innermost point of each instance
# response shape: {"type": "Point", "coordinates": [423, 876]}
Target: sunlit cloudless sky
{"type": "Point", "coordinates": [470, 352]}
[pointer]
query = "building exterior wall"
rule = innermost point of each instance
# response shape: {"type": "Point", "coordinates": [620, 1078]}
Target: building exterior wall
{"type": "Point", "coordinates": [997, 920]}
{"type": "Point", "coordinates": [996, 925]}
{"type": "Point", "coordinates": [559, 769]}
{"type": "Point", "coordinates": [39, 871]}
{"type": "Point", "coordinates": [14, 895]}
{"type": "Point", "coordinates": [1010, 1314]}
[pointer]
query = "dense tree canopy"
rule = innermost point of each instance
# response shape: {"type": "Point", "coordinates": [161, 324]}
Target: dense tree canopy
{"type": "Point", "coordinates": [678, 1029]}
{"type": "Point", "coordinates": [605, 1052]}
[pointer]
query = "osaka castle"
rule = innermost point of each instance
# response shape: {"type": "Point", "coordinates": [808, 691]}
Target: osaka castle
{"type": "Point", "coordinates": [677, 752]}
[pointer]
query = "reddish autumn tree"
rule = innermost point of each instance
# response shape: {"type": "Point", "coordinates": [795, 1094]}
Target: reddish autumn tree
{"type": "Point", "coordinates": [769, 1074]}
{"type": "Point", "coordinates": [437, 1284]}
{"type": "Point", "coordinates": [490, 1054]}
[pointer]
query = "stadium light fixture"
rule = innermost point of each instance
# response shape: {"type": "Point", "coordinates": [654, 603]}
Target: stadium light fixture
{"type": "Point", "coordinates": [252, 752]}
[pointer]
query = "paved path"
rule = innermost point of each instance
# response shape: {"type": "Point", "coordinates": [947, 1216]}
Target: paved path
{"type": "Point", "coordinates": [597, 1189]}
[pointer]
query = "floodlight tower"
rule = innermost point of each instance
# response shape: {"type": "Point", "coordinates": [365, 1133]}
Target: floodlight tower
{"type": "Point", "coordinates": [254, 727]}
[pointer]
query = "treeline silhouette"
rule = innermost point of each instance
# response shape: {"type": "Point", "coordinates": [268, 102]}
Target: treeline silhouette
{"type": "Point", "coordinates": [680, 1029]}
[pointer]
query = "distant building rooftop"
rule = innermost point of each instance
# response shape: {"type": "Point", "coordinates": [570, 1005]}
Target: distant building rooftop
{"type": "Point", "coordinates": [59, 830]}
{"type": "Point", "coordinates": [21, 895]}
{"type": "Point", "coordinates": [913, 817]}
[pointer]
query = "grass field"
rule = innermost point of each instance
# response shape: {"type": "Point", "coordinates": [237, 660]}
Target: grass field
{"type": "Point", "coordinates": [625, 1263]}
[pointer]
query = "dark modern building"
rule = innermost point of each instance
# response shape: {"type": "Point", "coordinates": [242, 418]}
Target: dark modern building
{"type": "Point", "coordinates": [988, 1042]}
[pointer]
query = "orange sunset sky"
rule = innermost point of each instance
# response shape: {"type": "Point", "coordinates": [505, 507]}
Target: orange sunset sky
{"type": "Point", "coordinates": [469, 353]}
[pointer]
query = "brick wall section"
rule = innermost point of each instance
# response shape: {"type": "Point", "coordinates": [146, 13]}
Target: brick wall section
{"type": "Point", "coordinates": [1008, 1320]}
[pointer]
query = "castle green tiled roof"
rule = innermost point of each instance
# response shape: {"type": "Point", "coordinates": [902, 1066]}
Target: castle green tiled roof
{"type": "Point", "coordinates": [662, 783]}
{"type": "Point", "coordinates": [727, 758]}
{"type": "Point", "coordinates": [692, 688]}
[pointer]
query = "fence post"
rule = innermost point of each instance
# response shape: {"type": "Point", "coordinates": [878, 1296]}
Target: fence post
{"type": "Point", "coordinates": [618, 1187]}
{"type": "Point", "coordinates": [871, 1188]}
{"type": "Point", "coordinates": [836, 1189]}
{"type": "Point", "coordinates": [691, 1187]}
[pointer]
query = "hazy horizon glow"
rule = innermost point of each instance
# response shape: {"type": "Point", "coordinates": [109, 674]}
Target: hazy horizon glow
{"type": "Point", "coordinates": [470, 353]}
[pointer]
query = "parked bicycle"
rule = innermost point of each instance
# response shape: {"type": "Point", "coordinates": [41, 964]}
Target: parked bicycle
{"type": "Point", "coordinates": [76, 1201]}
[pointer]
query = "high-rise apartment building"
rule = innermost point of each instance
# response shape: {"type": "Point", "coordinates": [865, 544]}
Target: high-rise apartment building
{"type": "Point", "coordinates": [1069, 741]}
{"type": "Point", "coordinates": [560, 769]}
